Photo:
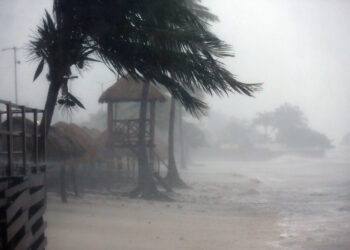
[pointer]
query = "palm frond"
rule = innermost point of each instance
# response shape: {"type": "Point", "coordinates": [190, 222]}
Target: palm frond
{"type": "Point", "coordinates": [163, 41]}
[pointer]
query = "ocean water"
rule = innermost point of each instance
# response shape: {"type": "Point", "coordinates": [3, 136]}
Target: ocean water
{"type": "Point", "coordinates": [310, 196]}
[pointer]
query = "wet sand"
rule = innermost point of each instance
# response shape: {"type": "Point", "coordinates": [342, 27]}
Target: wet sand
{"type": "Point", "coordinates": [200, 218]}
{"type": "Point", "coordinates": [289, 203]}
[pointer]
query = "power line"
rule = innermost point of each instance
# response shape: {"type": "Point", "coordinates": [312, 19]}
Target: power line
{"type": "Point", "coordinates": [14, 49]}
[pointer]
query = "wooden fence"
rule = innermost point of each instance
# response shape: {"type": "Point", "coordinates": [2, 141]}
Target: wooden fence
{"type": "Point", "coordinates": [22, 206]}
{"type": "Point", "coordinates": [22, 178]}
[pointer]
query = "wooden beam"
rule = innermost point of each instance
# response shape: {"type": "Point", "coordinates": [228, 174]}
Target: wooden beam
{"type": "Point", "coordinates": [36, 143]}
{"type": "Point", "coordinates": [13, 229]}
{"type": "Point", "coordinates": [43, 244]}
{"type": "Point", "coordinates": [110, 117]}
{"type": "Point", "coordinates": [38, 214]}
{"type": "Point", "coordinates": [152, 133]}
{"type": "Point", "coordinates": [43, 157]}
{"type": "Point", "coordinates": [9, 139]}
{"type": "Point", "coordinates": [24, 242]}
{"type": "Point", "coordinates": [24, 141]}
{"type": "Point", "coordinates": [115, 111]}
{"type": "Point", "coordinates": [16, 188]}
{"type": "Point", "coordinates": [20, 203]}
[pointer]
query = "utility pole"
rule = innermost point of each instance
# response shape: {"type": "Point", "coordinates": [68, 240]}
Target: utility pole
{"type": "Point", "coordinates": [16, 62]}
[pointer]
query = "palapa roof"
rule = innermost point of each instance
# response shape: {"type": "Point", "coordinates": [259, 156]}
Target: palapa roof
{"type": "Point", "coordinates": [81, 138]}
{"type": "Point", "coordinates": [128, 89]}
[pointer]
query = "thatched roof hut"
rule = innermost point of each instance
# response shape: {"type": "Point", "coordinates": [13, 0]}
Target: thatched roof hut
{"type": "Point", "coordinates": [62, 148]}
{"type": "Point", "coordinates": [83, 138]}
{"type": "Point", "coordinates": [128, 89]}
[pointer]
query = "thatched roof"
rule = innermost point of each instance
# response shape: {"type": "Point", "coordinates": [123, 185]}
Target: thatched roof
{"type": "Point", "coordinates": [82, 138]}
{"type": "Point", "coordinates": [127, 89]}
{"type": "Point", "coordinates": [62, 148]}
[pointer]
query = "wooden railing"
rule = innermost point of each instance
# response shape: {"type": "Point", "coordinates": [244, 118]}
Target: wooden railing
{"type": "Point", "coordinates": [127, 132]}
{"type": "Point", "coordinates": [20, 152]}
{"type": "Point", "coordinates": [22, 178]}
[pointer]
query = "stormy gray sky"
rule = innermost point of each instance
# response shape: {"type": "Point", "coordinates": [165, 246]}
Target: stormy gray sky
{"type": "Point", "coordinates": [298, 49]}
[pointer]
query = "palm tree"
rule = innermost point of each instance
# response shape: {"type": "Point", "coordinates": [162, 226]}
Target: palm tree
{"type": "Point", "coordinates": [183, 162]}
{"type": "Point", "coordinates": [172, 177]}
{"type": "Point", "coordinates": [60, 49]}
{"type": "Point", "coordinates": [164, 42]}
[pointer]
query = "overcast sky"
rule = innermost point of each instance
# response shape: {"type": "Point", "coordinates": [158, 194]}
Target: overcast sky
{"type": "Point", "coordinates": [298, 49]}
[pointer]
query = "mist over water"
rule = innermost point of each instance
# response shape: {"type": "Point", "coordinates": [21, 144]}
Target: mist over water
{"type": "Point", "coordinates": [311, 197]}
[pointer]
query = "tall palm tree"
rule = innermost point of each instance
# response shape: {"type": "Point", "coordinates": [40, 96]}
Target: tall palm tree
{"type": "Point", "coordinates": [183, 162]}
{"type": "Point", "coordinates": [172, 177]}
{"type": "Point", "coordinates": [164, 42]}
{"type": "Point", "coordinates": [60, 48]}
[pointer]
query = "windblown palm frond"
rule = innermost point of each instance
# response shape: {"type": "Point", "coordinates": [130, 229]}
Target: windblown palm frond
{"type": "Point", "coordinates": [58, 47]}
{"type": "Point", "coordinates": [171, 45]}
{"type": "Point", "coordinates": [167, 42]}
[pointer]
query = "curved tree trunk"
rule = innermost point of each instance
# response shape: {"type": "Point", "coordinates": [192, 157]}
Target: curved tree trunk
{"type": "Point", "coordinates": [181, 140]}
{"type": "Point", "coordinates": [172, 177]}
{"type": "Point", "coordinates": [146, 185]}
{"type": "Point", "coordinates": [50, 105]}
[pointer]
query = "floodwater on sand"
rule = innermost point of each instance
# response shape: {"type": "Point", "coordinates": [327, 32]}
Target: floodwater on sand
{"type": "Point", "coordinates": [288, 203]}
{"type": "Point", "coordinates": [310, 196]}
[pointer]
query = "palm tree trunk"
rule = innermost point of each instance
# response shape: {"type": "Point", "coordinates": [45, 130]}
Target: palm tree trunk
{"type": "Point", "coordinates": [146, 185]}
{"type": "Point", "coordinates": [50, 105]}
{"type": "Point", "coordinates": [182, 146]}
{"type": "Point", "coordinates": [172, 176]}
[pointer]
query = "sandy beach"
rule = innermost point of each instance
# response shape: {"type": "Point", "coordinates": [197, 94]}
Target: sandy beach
{"type": "Point", "coordinates": [200, 218]}
{"type": "Point", "coordinates": [231, 205]}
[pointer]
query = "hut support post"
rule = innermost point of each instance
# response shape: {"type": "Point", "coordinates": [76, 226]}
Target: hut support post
{"type": "Point", "coordinates": [115, 112]}
{"type": "Point", "coordinates": [134, 168]}
{"type": "Point", "coordinates": [128, 167]}
{"type": "Point", "coordinates": [110, 117]}
{"type": "Point", "coordinates": [74, 179]}
{"type": "Point", "coordinates": [152, 133]}
{"type": "Point", "coordinates": [63, 183]}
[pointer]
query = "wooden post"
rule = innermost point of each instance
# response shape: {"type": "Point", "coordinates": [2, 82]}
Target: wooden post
{"type": "Point", "coordinates": [110, 118]}
{"type": "Point", "coordinates": [74, 179]}
{"type": "Point", "coordinates": [43, 157]}
{"type": "Point", "coordinates": [128, 166]}
{"type": "Point", "coordinates": [9, 139]}
{"type": "Point", "coordinates": [36, 143]}
{"type": "Point", "coordinates": [133, 167]}
{"type": "Point", "coordinates": [158, 165]}
{"type": "Point", "coordinates": [24, 140]}
{"type": "Point", "coordinates": [152, 133]}
{"type": "Point", "coordinates": [63, 183]}
{"type": "Point", "coordinates": [115, 111]}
